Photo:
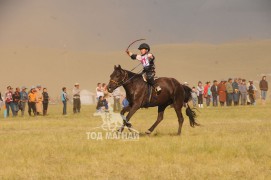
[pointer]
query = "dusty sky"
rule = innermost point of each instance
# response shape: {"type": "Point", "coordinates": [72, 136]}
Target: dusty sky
{"type": "Point", "coordinates": [95, 25]}
{"type": "Point", "coordinates": [56, 43]}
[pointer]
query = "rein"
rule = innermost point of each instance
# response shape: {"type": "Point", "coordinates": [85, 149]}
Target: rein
{"type": "Point", "coordinates": [135, 67]}
{"type": "Point", "coordinates": [123, 81]}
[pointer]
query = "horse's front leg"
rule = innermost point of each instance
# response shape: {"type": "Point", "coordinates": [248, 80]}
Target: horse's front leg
{"type": "Point", "coordinates": [126, 119]}
{"type": "Point", "coordinates": [124, 110]}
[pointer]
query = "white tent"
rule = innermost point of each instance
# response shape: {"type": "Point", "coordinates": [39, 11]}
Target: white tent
{"type": "Point", "coordinates": [87, 97]}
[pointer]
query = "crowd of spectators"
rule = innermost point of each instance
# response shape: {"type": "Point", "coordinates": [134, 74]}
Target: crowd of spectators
{"type": "Point", "coordinates": [36, 98]}
{"type": "Point", "coordinates": [235, 92]}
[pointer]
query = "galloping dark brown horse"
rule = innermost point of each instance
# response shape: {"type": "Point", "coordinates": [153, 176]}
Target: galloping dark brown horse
{"type": "Point", "coordinates": [137, 91]}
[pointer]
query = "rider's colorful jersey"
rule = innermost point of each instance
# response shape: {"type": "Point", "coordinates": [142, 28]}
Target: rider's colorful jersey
{"type": "Point", "coordinates": [146, 59]}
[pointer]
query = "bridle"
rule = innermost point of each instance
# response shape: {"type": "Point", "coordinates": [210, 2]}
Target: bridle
{"type": "Point", "coordinates": [120, 83]}
{"type": "Point", "coordinates": [124, 80]}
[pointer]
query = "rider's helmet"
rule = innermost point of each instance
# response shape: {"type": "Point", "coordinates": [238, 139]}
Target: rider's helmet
{"type": "Point", "coordinates": [144, 46]}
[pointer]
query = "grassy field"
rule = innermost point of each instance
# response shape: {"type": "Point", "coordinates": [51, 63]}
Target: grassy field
{"type": "Point", "coordinates": [232, 143]}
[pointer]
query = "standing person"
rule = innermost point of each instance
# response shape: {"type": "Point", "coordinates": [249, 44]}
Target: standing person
{"type": "Point", "coordinates": [214, 90]}
{"type": "Point", "coordinates": [64, 98]}
{"type": "Point", "coordinates": [229, 90]}
{"type": "Point", "coordinates": [105, 91]}
{"type": "Point", "coordinates": [235, 87]}
{"type": "Point", "coordinates": [16, 100]}
{"type": "Point", "coordinates": [200, 94]}
{"type": "Point", "coordinates": [264, 88]}
{"type": "Point", "coordinates": [45, 101]}
{"type": "Point", "coordinates": [9, 101]}
{"type": "Point", "coordinates": [243, 92]}
{"type": "Point", "coordinates": [147, 60]}
{"type": "Point", "coordinates": [194, 97]}
{"type": "Point", "coordinates": [255, 92]}
{"type": "Point", "coordinates": [99, 91]}
{"type": "Point", "coordinates": [239, 84]}
{"type": "Point", "coordinates": [222, 92]}
{"type": "Point", "coordinates": [32, 99]}
{"type": "Point", "coordinates": [1, 101]}
{"type": "Point", "coordinates": [76, 98]}
{"type": "Point", "coordinates": [248, 99]}
{"type": "Point", "coordinates": [207, 93]}
{"type": "Point", "coordinates": [116, 95]}
{"type": "Point", "coordinates": [24, 100]}
{"type": "Point", "coordinates": [39, 100]}
{"type": "Point", "coordinates": [251, 93]}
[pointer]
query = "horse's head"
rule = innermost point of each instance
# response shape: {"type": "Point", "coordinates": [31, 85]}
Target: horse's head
{"type": "Point", "coordinates": [117, 78]}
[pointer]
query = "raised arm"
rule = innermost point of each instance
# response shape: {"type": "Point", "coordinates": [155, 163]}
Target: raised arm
{"type": "Point", "coordinates": [133, 56]}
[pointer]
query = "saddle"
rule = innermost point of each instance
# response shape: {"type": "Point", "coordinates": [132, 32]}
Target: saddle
{"type": "Point", "coordinates": [150, 88]}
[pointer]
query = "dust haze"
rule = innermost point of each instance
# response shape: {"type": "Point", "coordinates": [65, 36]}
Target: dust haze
{"type": "Point", "coordinates": [57, 43]}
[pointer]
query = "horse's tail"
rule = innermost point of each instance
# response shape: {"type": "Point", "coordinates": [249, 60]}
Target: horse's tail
{"type": "Point", "coordinates": [189, 112]}
{"type": "Point", "coordinates": [188, 95]}
{"type": "Point", "coordinates": [192, 116]}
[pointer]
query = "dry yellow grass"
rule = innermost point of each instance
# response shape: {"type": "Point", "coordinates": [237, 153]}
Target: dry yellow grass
{"type": "Point", "coordinates": [233, 143]}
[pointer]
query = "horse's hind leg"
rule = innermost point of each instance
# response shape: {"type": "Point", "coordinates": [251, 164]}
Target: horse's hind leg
{"type": "Point", "coordinates": [178, 110]}
{"type": "Point", "coordinates": [161, 110]}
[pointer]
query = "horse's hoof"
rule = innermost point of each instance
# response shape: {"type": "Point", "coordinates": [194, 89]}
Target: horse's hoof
{"type": "Point", "coordinates": [120, 129]}
{"type": "Point", "coordinates": [148, 132]}
{"type": "Point", "coordinates": [129, 125]}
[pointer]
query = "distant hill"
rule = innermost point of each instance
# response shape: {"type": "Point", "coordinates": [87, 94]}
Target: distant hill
{"type": "Point", "coordinates": [55, 68]}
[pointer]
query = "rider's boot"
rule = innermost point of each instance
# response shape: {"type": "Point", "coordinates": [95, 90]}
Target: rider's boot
{"type": "Point", "coordinates": [158, 89]}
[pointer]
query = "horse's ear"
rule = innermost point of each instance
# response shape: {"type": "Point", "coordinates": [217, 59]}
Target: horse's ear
{"type": "Point", "coordinates": [115, 67]}
{"type": "Point", "coordinates": [119, 67]}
